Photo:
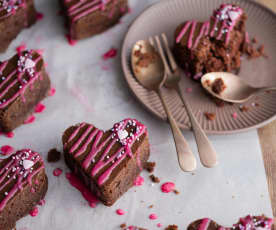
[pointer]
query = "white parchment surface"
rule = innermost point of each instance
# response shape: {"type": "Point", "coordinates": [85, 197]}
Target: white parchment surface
{"type": "Point", "coordinates": [86, 92]}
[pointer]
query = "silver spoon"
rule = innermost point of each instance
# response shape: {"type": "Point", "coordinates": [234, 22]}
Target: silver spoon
{"type": "Point", "coordinates": [149, 69]}
{"type": "Point", "coordinates": [236, 89]}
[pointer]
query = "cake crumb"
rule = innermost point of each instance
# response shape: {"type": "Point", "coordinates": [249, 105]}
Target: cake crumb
{"type": "Point", "coordinates": [172, 227]}
{"type": "Point", "coordinates": [151, 206]}
{"type": "Point", "coordinates": [154, 179]}
{"type": "Point", "coordinates": [53, 156]}
{"type": "Point", "coordinates": [123, 225]}
{"type": "Point", "coordinates": [218, 86]}
{"type": "Point", "coordinates": [176, 192]}
{"type": "Point", "coordinates": [210, 116]}
{"type": "Point", "coordinates": [149, 166]}
{"type": "Point", "coordinates": [219, 103]}
{"type": "Point", "coordinates": [244, 108]}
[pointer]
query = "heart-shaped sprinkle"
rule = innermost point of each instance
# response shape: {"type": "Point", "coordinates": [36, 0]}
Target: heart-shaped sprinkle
{"type": "Point", "coordinates": [122, 134]}
{"type": "Point", "coordinates": [27, 164]}
{"type": "Point", "coordinates": [29, 63]}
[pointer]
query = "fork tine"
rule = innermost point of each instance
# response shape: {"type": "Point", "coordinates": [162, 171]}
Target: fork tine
{"type": "Point", "coordinates": [169, 53]}
{"type": "Point", "coordinates": [161, 51]}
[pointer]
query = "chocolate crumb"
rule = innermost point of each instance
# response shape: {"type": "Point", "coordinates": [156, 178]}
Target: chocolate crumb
{"type": "Point", "coordinates": [149, 166]}
{"type": "Point", "coordinates": [219, 103]}
{"type": "Point", "coordinates": [154, 179]}
{"type": "Point", "coordinates": [53, 156]}
{"type": "Point", "coordinates": [210, 116]}
{"type": "Point", "coordinates": [176, 192]}
{"type": "Point", "coordinates": [151, 206]}
{"type": "Point", "coordinates": [244, 108]}
{"type": "Point", "coordinates": [172, 227]}
{"type": "Point", "coordinates": [123, 225]}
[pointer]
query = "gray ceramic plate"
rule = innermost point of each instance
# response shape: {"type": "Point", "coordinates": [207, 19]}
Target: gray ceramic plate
{"type": "Point", "coordinates": [164, 17]}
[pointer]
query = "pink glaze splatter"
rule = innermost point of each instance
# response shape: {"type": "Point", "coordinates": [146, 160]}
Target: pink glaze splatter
{"type": "Point", "coordinates": [30, 119]}
{"type": "Point", "coordinates": [235, 115]}
{"type": "Point", "coordinates": [9, 135]}
{"type": "Point", "coordinates": [153, 216]}
{"type": "Point", "coordinates": [120, 212]}
{"type": "Point", "coordinates": [39, 16]}
{"type": "Point", "coordinates": [39, 108]}
{"type": "Point", "coordinates": [42, 202]}
{"type": "Point", "coordinates": [139, 181]}
{"type": "Point", "coordinates": [21, 48]}
{"type": "Point", "coordinates": [110, 54]}
{"type": "Point", "coordinates": [75, 182]}
{"type": "Point", "coordinates": [167, 187]}
{"type": "Point", "coordinates": [52, 91]}
{"type": "Point", "coordinates": [6, 150]}
{"type": "Point", "coordinates": [70, 40]}
{"type": "Point", "coordinates": [159, 225]}
{"type": "Point", "coordinates": [189, 90]}
{"type": "Point", "coordinates": [57, 172]}
{"type": "Point", "coordinates": [34, 212]}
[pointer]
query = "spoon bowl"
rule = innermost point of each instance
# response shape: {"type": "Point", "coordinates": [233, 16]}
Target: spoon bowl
{"type": "Point", "coordinates": [236, 89]}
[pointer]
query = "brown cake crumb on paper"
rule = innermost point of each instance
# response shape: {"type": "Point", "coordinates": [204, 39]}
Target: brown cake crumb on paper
{"type": "Point", "coordinates": [53, 156]}
{"type": "Point", "coordinates": [149, 166]}
{"type": "Point", "coordinates": [151, 206]}
{"type": "Point", "coordinates": [176, 192]}
{"type": "Point", "coordinates": [210, 116]}
{"type": "Point", "coordinates": [123, 225]}
{"type": "Point", "coordinates": [172, 227]}
{"type": "Point", "coordinates": [154, 179]}
{"type": "Point", "coordinates": [218, 86]}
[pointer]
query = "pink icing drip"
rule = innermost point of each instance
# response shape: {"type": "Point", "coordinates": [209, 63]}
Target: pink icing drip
{"type": "Point", "coordinates": [39, 108]}
{"type": "Point", "coordinates": [34, 212]}
{"type": "Point", "coordinates": [21, 48]}
{"type": "Point", "coordinates": [110, 54]}
{"type": "Point", "coordinates": [52, 92]}
{"type": "Point", "coordinates": [139, 181]}
{"type": "Point", "coordinates": [6, 150]}
{"type": "Point", "coordinates": [57, 172]}
{"type": "Point", "coordinates": [15, 170]}
{"type": "Point", "coordinates": [42, 202]}
{"type": "Point", "coordinates": [39, 16]}
{"type": "Point", "coordinates": [71, 41]}
{"type": "Point", "coordinates": [167, 187]}
{"type": "Point", "coordinates": [204, 224]}
{"type": "Point", "coordinates": [120, 212]}
{"type": "Point", "coordinates": [30, 119]}
{"type": "Point", "coordinates": [153, 216]}
{"type": "Point", "coordinates": [86, 193]}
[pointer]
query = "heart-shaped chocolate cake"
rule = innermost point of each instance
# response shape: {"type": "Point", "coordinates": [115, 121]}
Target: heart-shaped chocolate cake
{"type": "Point", "coordinates": [23, 184]}
{"type": "Point", "coordinates": [107, 162]}
{"type": "Point", "coordinates": [246, 223]}
{"type": "Point", "coordinates": [212, 46]}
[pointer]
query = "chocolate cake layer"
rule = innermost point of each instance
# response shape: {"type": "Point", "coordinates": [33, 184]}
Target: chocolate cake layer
{"type": "Point", "coordinates": [107, 162]}
{"type": "Point", "coordinates": [23, 84]}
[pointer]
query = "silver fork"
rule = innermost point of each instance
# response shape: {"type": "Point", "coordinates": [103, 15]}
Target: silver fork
{"type": "Point", "coordinates": [207, 154]}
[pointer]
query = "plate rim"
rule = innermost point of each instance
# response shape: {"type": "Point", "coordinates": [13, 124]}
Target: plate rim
{"type": "Point", "coordinates": [149, 109]}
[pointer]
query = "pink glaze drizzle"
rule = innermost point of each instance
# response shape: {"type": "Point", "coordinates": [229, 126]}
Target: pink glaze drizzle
{"type": "Point", "coordinates": [16, 172]}
{"type": "Point", "coordinates": [22, 83]}
{"type": "Point", "coordinates": [204, 224]}
{"type": "Point", "coordinates": [30, 119]}
{"type": "Point", "coordinates": [139, 181]}
{"type": "Point", "coordinates": [39, 16]}
{"type": "Point", "coordinates": [9, 134]}
{"type": "Point", "coordinates": [57, 172]}
{"type": "Point", "coordinates": [39, 108]}
{"type": "Point", "coordinates": [86, 193]}
{"type": "Point", "coordinates": [34, 212]}
{"type": "Point", "coordinates": [117, 134]}
{"type": "Point", "coordinates": [110, 54]}
{"type": "Point", "coordinates": [227, 15]}
{"type": "Point", "coordinates": [167, 187]}
{"type": "Point", "coordinates": [6, 150]}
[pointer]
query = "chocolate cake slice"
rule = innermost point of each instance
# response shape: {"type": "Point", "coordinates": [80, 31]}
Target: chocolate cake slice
{"type": "Point", "coordinates": [23, 183]}
{"type": "Point", "coordinates": [212, 46]}
{"type": "Point", "coordinates": [23, 84]}
{"type": "Point", "coordinates": [107, 162]}
{"type": "Point", "coordinates": [246, 223]}
{"type": "Point", "coordinates": [86, 18]}
{"type": "Point", "coordinates": [15, 15]}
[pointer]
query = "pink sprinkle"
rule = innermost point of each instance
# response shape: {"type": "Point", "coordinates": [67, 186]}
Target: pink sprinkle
{"type": "Point", "coordinates": [189, 90]}
{"type": "Point", "coordinates": [52, 92]}
{"type": "Point", "coordinates": [39, 16]}
{"type": "Point", "coordinates": [110, 54]}
{"type": "Point", "coordinates": [139, 181]}
{"type": "Point", "coordinates": [30, 119]}
{"type": "Point", "coordinates": [86, 193]}
{"type": "Point", "coordinates": [34, 212]}
{"type": "Point", "coordinates": [6, 150]}
{"type": "Point", "coordinates": [21, 48]}
{"type": "Point", "coordinates": [120, 212]}
{"type": "Point", "coordinates": [42, 202]}
{"type": "Point", "coordinates": [9, 135]}
{"type": "Point", "coordinates": [167, 187]}
{"type": "Point", "coordinates": [159, 225]}
{"type": "Point", "coordinates": [70, 40]}
{"type": "Point", "coordinates": [152, 216]}
{"type": "Point", "coordinates": [57, 172]}
{"type": "Point", "coordinates": [39, 108]}
{"type": "Point", "coordinates": [234, 115]}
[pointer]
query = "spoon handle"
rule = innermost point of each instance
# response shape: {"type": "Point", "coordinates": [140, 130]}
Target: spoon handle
{"type": "Point", "coordinates": [207, 153]}
{"type": "Point", "coordinates": [185, 156]}
{"type": "Point", "coordinates": [266, 89]}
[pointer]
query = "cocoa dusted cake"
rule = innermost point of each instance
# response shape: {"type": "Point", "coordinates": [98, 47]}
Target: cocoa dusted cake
{"type": "Point", "coordinates": [86, 18]}
{"type": "Point", "coordinates": [23, 184]}
{"type": "Point", "coordinates": [23, 84]}
{"type": "Point", "coordinates": [107, 162]}
{"type": "Point", "coordinates": [15, 15]}
{"type": "Point", "coordinates": [212, 46]}
{"type": "Point", "coordinates": [246, 223]}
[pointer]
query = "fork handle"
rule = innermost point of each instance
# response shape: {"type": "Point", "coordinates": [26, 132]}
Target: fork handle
{"type": "Point", "coordinates": [186, 158]}
{"type": "Point", "coordinates": [207, 153]}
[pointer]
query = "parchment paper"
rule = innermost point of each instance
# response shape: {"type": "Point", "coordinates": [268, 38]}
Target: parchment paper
{"type": "Point", "coordinates": [86, 92]}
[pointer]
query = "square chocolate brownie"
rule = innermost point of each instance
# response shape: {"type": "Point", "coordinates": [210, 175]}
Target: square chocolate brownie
{"type": "Point", "coordinates": [15, 15]}
{"type": "Point", "coordinates": [23, 184]}
{"type": "Point", "coordinates": [23, 84]}
{"type": "Point", "coordinates": [86, 18]}
{"type": "Point", "coordinates": [107, 162]}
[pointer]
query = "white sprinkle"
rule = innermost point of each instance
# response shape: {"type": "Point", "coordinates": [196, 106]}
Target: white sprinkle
{"type": "Point", "coordinates": [6, 193]}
